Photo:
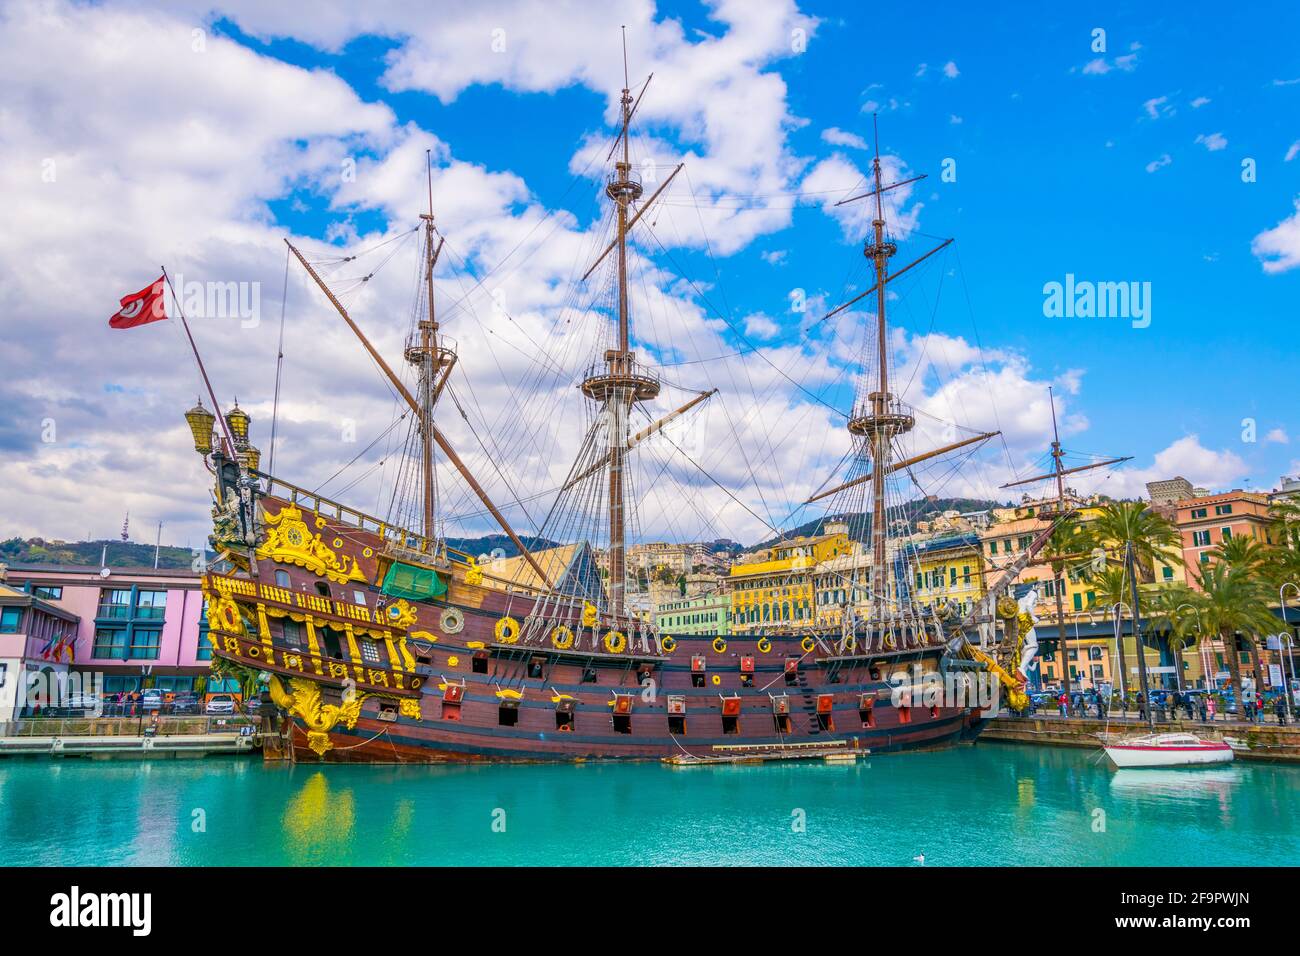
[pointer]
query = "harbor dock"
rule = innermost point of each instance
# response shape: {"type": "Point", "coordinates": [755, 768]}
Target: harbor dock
{"type": "Point", "coordinates": [1268, 742]}
{"type": "Point", "coordinates": [106, 737]}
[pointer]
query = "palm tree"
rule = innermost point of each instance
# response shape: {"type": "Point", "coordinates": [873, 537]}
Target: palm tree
{"type": "Point", "coordinates": [1244, 552]}
{"type": "Point", "coordinates": [1142, 535]}
{"type": "Point", "coordinates": [1233, 601]}
{"type": "Point", "coordinates": [1151, 535]}
{"type": "Point", "coordinates": [1164, 615]}
{"type": "Point", "coordinates": [1253, 558]}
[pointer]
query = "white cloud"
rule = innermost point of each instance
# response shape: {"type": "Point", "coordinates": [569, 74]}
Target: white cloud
{"type": "Point", "coordinates": [1278, 249]}
{"type": "Point", "coordinates": [1278, 436]}
{"type": "Point", "coordinates": [1212, 141]}
{"type": "Point", "coordinates": [837, 178]}
{"type": "Point", "coordinates": [775, 257]}
{"type": "Point", "coordinates": [950, 70]}
{"type": "Point", "coordinates": [1292, 152]}
{"type": "Point", "coordinates": [759, 326]}
{"type": "Point", "coordinates": [955, 120]}
{"type": "Point", "coordinates": [1199, 102]}
{"type": "Point", "coordinates": [1156, 106]}
{"type": "Point", "coordinates": [1099, 66]}
{"type": "Point", "coordinates": [1155, 164]}
{"type": "Point", "coordinates": [838, 137]}
{"type": "Point", "coordinates": [1186, 456]}
{"type": "Point", "coordinates": [920, 69]}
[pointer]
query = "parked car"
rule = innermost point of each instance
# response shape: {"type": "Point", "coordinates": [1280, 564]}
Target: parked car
{"type": "Point", "coordinates": [82, 702]}
{"type": "Point", "coordinates": [220, 704]}
{"type": "Point", "coordinates": [151, 699]}
{"type": "Point", "coordinates": [185, 704]}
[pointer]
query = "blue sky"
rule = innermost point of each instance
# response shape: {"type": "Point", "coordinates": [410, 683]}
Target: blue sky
{"type": "Point", "coordinates": [1052, 179]}
{"type": "Point", "coordinates": [1122, 165]}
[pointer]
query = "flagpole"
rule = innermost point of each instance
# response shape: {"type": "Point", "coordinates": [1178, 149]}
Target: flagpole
{"type": "Point", "coordinates": [216, 408]}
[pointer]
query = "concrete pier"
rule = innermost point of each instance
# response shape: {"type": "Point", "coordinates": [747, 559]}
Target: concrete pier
{"type": "Point", "coordinates": [130, 737]}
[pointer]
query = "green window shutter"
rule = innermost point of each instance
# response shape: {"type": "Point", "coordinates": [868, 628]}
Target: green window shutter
{"type": "Point", "coordinates": [1078, 602]}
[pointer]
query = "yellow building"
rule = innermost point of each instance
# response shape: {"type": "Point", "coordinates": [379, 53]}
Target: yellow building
{"type": "Point", "coordinates": [777, 591]}
{"type": "Point", "coordinates": [950, 569]}
{"type": "Point", "coordinates": [840, 581]}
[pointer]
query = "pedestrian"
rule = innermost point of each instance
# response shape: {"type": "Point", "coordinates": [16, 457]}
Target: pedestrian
{"type": "Point", "coordinates": [1280, 709]}
{"type": "Point", "coordinates": [1205, 699]}
{"type": "Point", "coordinates": [1210, 707]}
{"type": "Point", "coordinates": [1259, 709]}
{"type": "Point", "coordinates": [1065, 704]}
{"type": "Point", "coordinates": [1101, 707]}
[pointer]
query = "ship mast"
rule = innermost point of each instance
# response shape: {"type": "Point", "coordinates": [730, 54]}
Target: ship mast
{"type": "Point", "coordinates": [620, 384]}
{"type": "Point", "coordinates": [430, 361]}
{"type": "Point", "coordinates": [884, 418]}
{"type": "Point", "coordinates": [881, 416]}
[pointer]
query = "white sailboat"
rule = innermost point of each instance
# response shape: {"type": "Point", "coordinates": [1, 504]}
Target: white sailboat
{"type": "Point", "coordinates": [1166, 750]}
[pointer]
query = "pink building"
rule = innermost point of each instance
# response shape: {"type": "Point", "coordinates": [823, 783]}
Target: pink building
{"type": "Point", "coordinates": [35, 642]}
{"type": "Point", "coordinates": [141, 628]}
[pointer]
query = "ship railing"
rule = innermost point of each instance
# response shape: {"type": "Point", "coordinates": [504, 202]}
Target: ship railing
{"type": "Point", "coordinates": [398, 538]}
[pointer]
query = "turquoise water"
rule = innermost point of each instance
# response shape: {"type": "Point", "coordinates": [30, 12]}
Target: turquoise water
{"type": "Point", "coordinates": [991, 804]}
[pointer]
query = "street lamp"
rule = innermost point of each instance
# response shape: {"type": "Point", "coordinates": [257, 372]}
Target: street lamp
{"type": "Point", "coordinates": [1123, 694]}
{"type": "Point", "coordinates": [1281, 597]}
{"type": "Point", "coordinates": [1089, 614]}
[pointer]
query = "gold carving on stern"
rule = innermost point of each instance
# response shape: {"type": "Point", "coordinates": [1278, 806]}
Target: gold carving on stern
{"type": "Point", "coordinates": [291, 541]}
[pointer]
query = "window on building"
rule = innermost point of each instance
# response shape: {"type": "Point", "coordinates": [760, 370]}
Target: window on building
{"type": "Point", "coordinates": [1226, 533]}
{"type": "Point", "coordinates": [151, 605]}
{"type": "Point", "coordinates": [1200, 539]}
{"type": "Point", "coordinates": [1223, 509]}
{"type": "Point", "coordinates": [370, 652]}
{"type": "Point", "coordinates": [1167, 573]}
{"type": "Point", "coordinates": [110, 643]}
{"type": "Point", "coordinates": [1078, 602]}
{"type": "Point", "coordinates": [115, 604]}
{"type": "Point", "coordinates": [1205, 557]}
{"type": "Point", "coordinates": [11, 619]}
{"type": "Point", "coordinates": [48, 592]}
{"type": "Point", "coordinates": [145, 643]}
{"type": "Point", "coordinates": [282, 577]}
{"type": "Point", "coordinates": [1199, 512]}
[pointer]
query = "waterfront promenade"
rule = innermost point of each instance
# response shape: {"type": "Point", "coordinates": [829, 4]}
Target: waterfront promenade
{"type": "Point", "coordinates": [1262, 741]}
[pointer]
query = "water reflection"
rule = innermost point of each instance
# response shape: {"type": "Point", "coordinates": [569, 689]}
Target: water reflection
{"type": "Point", "coordinates": [318, 823]}
{"type": "Point", "coordinates": [1175, 783]}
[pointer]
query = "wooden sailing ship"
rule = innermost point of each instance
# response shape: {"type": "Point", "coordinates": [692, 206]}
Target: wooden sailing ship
{"type": "Point", "coordinates": [380, 643]}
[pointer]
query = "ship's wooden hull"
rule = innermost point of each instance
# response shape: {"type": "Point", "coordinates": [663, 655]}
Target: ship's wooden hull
{"type": "Point", "coordinates": [483, 691]}
{"type": "Point", "coordinates": [472, 728]}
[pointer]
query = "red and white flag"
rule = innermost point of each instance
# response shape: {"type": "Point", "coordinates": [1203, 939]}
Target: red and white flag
{"type": "Point", "coordinates": [141, 308]}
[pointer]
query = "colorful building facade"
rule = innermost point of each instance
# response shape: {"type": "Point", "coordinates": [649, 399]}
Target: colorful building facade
{"type": "Point", "coordinates": [140, 628]}
{"type": "Point", "coordinates": [778, 589]}
{"type": "Point", "coordinates": [36, 639]}
{"type": "Point", "coordinates": [698, 614]}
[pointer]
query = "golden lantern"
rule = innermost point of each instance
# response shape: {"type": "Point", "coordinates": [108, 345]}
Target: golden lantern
{"type": "Point", "coordinates": [238, 421]}
{"type": "Point", "coordinates": [201, 422]}
{"type": "Point", "coordinates": [249, 457]}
